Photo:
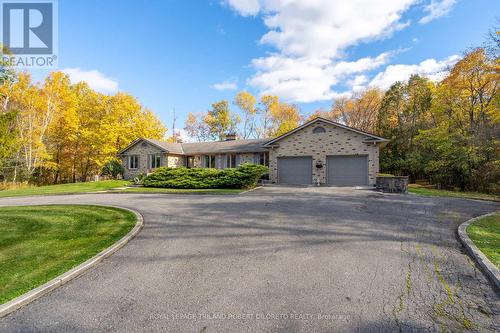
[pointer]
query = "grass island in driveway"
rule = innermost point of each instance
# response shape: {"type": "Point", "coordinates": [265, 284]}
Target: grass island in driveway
{"type": "Point", "coordinates": [71, 188]}
{"type": "Point", "coordinates": [38, 243]}
{"type": "Point", "coordinates": [485, 233]}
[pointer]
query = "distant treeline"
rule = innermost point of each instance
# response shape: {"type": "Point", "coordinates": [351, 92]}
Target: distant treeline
{"type": "Point", "coordinates": [57, 132]}
{"type": "Point", "coordinates": [446, 132]}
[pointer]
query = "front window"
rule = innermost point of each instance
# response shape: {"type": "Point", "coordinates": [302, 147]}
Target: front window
{"type": "Point", "coordinates": [318, 130]}
{"type": "Point", "coordinates": [133, 162]}
{"type": "Point", "coordinates": [190, 162]}
{"type": "Point", "coordinates": [209, 161]}
{"type": "Point", "coordinates": [154, 161]}
{"type": "Point", "coordinates": [264, 159]}
{"type": "Point", "coordinates": [231, 161]}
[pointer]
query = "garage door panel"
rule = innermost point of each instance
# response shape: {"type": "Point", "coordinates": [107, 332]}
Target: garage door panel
{"type": "Point", "coordinates": [347, 170]}
{"type": "Point", "coordinates": [295, 170]}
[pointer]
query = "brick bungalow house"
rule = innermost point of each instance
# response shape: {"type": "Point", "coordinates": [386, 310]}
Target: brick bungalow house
{"type": "Point", "coordinates": [319, 151]}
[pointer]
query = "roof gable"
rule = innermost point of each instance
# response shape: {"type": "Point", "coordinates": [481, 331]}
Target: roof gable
{"type": "Point", "coordinates": [148, 141]}
{"type": "Point", "coordinates": [372, 137]}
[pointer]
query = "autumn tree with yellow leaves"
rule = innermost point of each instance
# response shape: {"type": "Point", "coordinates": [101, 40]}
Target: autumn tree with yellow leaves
{"type": "Point", "coordinates": [246, 102]}
{"type": "Point", "coordinates": [63, 132]}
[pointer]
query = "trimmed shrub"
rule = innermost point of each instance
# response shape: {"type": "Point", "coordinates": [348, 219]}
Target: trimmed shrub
{"type": "Point", "coordinates": [113, 168]}
{"type": "Point", "coordinates": [244, 176]}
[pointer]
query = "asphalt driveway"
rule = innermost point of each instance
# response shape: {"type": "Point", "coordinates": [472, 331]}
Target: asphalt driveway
{"type": "Point", "coordinates": [277, 260]}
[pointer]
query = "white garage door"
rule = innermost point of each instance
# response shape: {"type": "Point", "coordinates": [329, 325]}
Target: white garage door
{"type": "Point", "coordinates": [347, 170]}
{"type": "Point", "coordinates": [295, 170]}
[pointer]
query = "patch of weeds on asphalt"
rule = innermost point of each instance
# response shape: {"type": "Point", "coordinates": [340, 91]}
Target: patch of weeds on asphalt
{"type": "Point", "coordinates": [399, 304]}
{"type": "Point", "coordinates": [398, 308]}
{"type": "Point", "coordinates": [443, 282]}
{"type": "Point", "coordinates": [447, 310]}
{"type": "Point", "coordinates": [408, 281]}
{"type": "Point", "coordinates": [441, 308]}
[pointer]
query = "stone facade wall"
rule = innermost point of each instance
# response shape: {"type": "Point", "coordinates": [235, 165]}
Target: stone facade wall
{"type": "Point", "coordinates": [175, 161]}
{"type": "Point", "coordinates": [334, 141]}
{"type": "Point", "coordinates": [143, 149]}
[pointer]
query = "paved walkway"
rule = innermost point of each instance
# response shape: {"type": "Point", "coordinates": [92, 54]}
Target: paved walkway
{"type": "Point", "coordinates": [277, 260]}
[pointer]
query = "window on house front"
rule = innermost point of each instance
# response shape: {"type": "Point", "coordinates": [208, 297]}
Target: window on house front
{"type": "Point", "coordinates": [190, 162]}
{"type": "Point", "coordinates": [133, 162]}
{"type": "Point", "coordinates": [209, 161]}
{"type": "Point", "coordinates": [319, 129]}
{"type": "Point", "coordinates": [231, 161]}
{"type": "Point", "coordinates": [264, 159]}
{"type": "Point", "coordinates": [154, 161]}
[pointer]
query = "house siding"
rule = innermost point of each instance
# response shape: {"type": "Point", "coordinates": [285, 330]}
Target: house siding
{"type": "Point", "coordinates": [142, 151]}
{"type": "Point", "coordinates": [334, 141]}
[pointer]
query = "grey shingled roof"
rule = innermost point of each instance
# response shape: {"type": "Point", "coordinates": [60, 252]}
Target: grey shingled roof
{"type": "Point", "coordinates": [171, 147]}
{"type": "Point", "coordinates": [214, 147]}
{"type": "Point", "coordinates": [231, 146]}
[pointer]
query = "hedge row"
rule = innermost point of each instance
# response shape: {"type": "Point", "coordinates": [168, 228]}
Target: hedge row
{"type": "Point", "coordinates": [244, 176]}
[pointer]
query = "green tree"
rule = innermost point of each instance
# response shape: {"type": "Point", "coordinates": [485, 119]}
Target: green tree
{"type": "Point", "coordinates": [113, 168]}
{"type": "Point", "coordinates": [405, 110]}
{"type": "Point", "coordinates": [220, 120]}
{"type": "Point", "coordinates": [8, 136]}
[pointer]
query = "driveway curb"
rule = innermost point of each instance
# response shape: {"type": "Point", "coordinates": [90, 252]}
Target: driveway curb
{"type": "Point", "coordinates": [251, 190]}
{"type": "Point", "coordinates": [486, 265]}
{"type": "Point", "coordinates": [38, 292]}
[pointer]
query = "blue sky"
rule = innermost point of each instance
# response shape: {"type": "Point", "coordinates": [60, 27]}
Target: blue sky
{"type": "Point", "coordinates": [189, 54]}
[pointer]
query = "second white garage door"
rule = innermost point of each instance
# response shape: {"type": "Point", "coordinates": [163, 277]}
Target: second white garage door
{"type": "Point", "coordinates": [347, 170]}
{"type": "Point", "coordinates": [295, 170]}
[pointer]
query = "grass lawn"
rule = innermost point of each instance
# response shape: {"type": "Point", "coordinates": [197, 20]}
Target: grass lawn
{"type": "Point", "coordinates": [485, 233]}
{"type": "Point", "coordinates": [180, 191]}
{"type": "Point", "coordinates": [38, 243]}
{"type": "Point", "coordinates": [65, 188]}
{"type": "Point", "coordinates": [412, 188]}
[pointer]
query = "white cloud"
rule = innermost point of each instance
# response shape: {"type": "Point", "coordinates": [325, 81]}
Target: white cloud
{"type": "Point", "coordinates": [95, 79]}
{"type": "Point", "coordinates": [430, 68]}
{"type": "Point", "coordinates": [245, 7]}
{"type": "Point", "coordinates": [308, 79]}
{"type": "Point", "coordinates": [324, 27]}
{"type": "Point", "coordinates": [311, 37]}
{"type": "Point", "coordinates": [436, 9]}
{"type": "Point", "coordinates": [358, 82]}
{"type": "Point", "coordinates": [226, 85]}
